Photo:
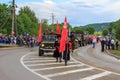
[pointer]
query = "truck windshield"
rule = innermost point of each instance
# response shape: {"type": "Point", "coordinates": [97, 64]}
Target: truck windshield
{"type": "Point", "coordinates": [49, 38]}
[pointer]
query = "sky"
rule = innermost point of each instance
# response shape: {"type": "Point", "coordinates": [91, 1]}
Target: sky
{"type": "Point", "coordinates": [78, 12]}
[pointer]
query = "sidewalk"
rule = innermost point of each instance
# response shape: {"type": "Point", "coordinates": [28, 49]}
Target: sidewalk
{"type": "Point", "coordinates": [8, 46]}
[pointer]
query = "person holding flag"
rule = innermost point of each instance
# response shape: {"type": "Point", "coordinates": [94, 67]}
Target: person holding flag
{"type": "Point", "coordinates": [57, 54]}
{"type": "Point", "coordinates": [64, 46]}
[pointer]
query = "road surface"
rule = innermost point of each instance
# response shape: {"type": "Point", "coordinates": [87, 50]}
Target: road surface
{"type": "Point", "coordinates": [86, 64]}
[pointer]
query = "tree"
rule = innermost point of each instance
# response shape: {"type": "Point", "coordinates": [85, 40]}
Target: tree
{"type": "Point", "coordinates": [5, 19]}
{"type": "Point", "coordinates": [105, 32]}
{"type": "Point", "coordinates": [29, 22]}
{"type": "Point", "coordinates": [45, 25]}
{"type": "Point", "coordinates": [117, 29]}
{"type": "Point", "coordinates": [111, 26]}
{"type": "Point", "coordinates": [90, 30]}
{"type": "Point", "coordinates": [78, 30]}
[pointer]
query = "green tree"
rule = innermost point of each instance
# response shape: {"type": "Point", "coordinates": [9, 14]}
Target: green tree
{"type": "Point", "coordinates": [90, 30]}
{"type": "Point", "coordinates": [105, 32]}
{"type": "Point", "coordinates": [117, 30]}
{"type": "Point", "coordinates": [20, 25]}
{"type": "Point", "coordinates": [29, 21]}
{"type": "Point", "coordinates": [78, 30]}
{"type": "Point", "coordinates": [45, 25]}
{"type": "Point", "coordinates": [111, 26]}
{"type": "Point", "coordinates": [5, 19]}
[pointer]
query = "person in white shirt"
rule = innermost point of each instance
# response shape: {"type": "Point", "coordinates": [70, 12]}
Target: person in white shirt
{"type": "Point", "coordinates": [112, 44]}
{"type": "Point", "coordinates": [94, 42]}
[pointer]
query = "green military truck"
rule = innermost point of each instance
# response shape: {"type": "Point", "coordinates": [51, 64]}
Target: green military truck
{"type": "Point", "coordinates": [47, 44]}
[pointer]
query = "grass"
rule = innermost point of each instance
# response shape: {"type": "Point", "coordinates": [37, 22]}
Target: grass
{"type": "Point", "coordinates": [115, 52]}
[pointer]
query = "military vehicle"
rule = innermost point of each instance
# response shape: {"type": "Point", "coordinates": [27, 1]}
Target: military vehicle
{"type": "Point", "coordinates": [47, 44]}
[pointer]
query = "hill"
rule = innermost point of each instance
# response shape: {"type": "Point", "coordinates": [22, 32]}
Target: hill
{"type": "Point", "coordinates": [98, 26]}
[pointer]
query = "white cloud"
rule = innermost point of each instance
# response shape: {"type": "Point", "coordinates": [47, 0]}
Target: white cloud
{"type": "Point", "coordinates": [78, 11]}
{"type": "Point", "coordinates": [45, 9]}
{"type": "Point", "coordinates": [113, 7]}
{"type": "Point", "coordinates": [92, 2]}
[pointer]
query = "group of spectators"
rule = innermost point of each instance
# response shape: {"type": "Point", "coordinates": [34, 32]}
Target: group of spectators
{"type": "Point", "coordinates": [108, 43]}
{"type": "Point", "coordinates": [22, 40]}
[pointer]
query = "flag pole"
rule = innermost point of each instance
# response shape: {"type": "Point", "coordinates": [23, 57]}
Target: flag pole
{"type": "Point", "coordinates": [66, 58]}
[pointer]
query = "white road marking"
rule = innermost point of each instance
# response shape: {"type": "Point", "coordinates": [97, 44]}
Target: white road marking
{"type": "Point", "coordinates": [38, 58]}
{"type": "Point", "coordinates": [96, 76]}
{"type": "Point", "coordinates": [45, 64]}
{"type": "Point", "coordinates": [79, 62]}
{"type": "Point", "coordinates": [21, 60]}
{"type": "Point", "coordinates": [38, 61]}
{"type": "Point", "coordinates": [68, 72]}
{"type": "Point", "coordinates": [57, 67]}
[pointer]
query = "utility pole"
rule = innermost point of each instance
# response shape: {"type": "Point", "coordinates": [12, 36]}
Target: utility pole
{"type": "Point", "coordinates": [13, 16]}
{"type": "Point", "coordinates": [52, 18]}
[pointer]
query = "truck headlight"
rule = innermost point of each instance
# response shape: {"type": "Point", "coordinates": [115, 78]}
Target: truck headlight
{"type": "Point", "coordinates": [42, 45]}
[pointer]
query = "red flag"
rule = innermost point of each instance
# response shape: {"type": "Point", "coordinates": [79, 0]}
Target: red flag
{"type": "Point", "coordinates": [57, 29]}
{"type": "Point", "coordinates": [40, 33]}
{"type": "Point", "coordinates": [64, 36]}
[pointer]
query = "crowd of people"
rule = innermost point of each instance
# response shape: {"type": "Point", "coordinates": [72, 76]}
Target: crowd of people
{"type": "Point", "coordinates": [109, 43]}
{"type": "Point", "coordinates": [22, 40]}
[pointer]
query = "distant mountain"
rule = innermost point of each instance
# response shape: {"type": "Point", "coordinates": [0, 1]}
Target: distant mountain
{"type": "Point", "coordinates": [99, 26]}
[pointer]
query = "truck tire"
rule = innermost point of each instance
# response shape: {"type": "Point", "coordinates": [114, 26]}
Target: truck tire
{"type": "Point", "coordinates": [41, 52]}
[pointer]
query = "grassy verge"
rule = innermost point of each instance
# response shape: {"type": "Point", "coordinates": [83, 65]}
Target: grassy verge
{"type": "Point", "coordinates": [115, 52]}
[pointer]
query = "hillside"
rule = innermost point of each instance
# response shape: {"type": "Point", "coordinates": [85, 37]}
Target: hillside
{"type": "Point", "coordinates": [98, 26]}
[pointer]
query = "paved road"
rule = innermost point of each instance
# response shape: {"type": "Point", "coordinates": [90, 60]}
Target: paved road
{"type": "Point", "coordinates": [95, 57]}
{"type": "Point", "coordinates": [86, 64]}
{"type": "Point", "coordinates": [11, 68]}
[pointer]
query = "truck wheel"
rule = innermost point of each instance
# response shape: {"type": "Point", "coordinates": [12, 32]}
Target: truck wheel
{"type": "Point", "coordinates": [41, 52]}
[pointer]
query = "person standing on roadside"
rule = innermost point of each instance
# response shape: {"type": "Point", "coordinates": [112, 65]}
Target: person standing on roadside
{"type": "Point", "coordinates": [102, 44]}
{"type": "Point", "coordinates": [109, 43]}
{"type": "Point", "coordinates": [117, 44]}
{"type": "Point", "coordinates": [94, 41]}
{"type": "Point", "coordinates": [112, 44]}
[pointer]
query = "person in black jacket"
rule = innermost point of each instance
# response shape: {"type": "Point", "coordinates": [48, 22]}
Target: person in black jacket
{"type": "Point", "coordinates": [56, 53]}
{"type": "Point", "coordinates": [117, 44]}
{"type": "Point", "coordinates": [102, 44]}
{"type": "Point", "coordinates": [66, 53]}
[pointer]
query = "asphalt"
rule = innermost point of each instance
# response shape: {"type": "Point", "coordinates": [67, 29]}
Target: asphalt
{"type": "Point", "coordinates": [9, 46]}
{"type": "Point", "coordinates": [116, 56]}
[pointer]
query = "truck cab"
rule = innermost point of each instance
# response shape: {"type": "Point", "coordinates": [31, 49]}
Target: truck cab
{"type": "Point", "coordinates": [47, 44]}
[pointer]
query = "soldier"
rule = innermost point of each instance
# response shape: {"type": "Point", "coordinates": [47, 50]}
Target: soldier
{"type": "Point", "coordinates": [57, 54]}
{"type": "Point", "coordinates": [66, 53]}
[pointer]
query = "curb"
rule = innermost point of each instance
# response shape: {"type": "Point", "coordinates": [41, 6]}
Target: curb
{"type": "Point", "coordinates": [118, 57]}
{"type": "Point", "coordinates": [11, 48]}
